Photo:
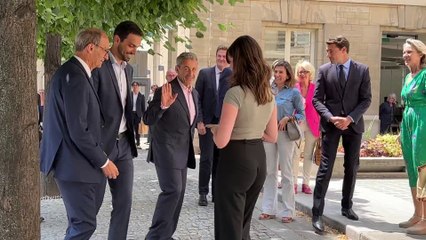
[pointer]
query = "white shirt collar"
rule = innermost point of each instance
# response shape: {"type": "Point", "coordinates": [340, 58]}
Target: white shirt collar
{"type": "Point", "coordinates": [85, 66]}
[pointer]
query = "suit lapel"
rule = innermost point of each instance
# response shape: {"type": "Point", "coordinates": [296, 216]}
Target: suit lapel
{"type": "Point", "coordinates": [129, 100]}
{"type": "Point", "coordinates": [114, 78]}
{"type": "Point", "coordinates": [335, 79]}
{"type": "Point", "coordinates": [75, 61]}
{"type": "Point", "coordinates": [213, 79]}
{"type": "Point", "coordinates": [181, 97]}
{"type": "Point", "coordinates": [195, 104]}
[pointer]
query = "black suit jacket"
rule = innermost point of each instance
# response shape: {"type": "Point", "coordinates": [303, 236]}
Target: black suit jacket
{"type": "Point", "coordinates": [209, 94]}
{"type": "Point", "coordinates": [71, 143]}
{"type": "Point", "coordinates": [106, 85]}
{"type": "Point", "coordinates": [330, 100]}
{"type": "Point", "coordinates": [171, 131]}
{"type": "Point", "coordinates": [140, 104]}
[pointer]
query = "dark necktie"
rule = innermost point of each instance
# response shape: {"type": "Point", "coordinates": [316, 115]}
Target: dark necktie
{"type": "Point", "coordinates": [218, 108]}
{"type": "Point", "coordinates": [342, 78]}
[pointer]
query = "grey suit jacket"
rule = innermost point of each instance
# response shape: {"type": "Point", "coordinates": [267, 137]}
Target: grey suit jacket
{"type": "Point", "coordinates": [330, 100]}
{"type": "Point", "coordinates": [106, 85]}
{"type": "Point", "coordinates": [171, 131]}
{"type": "Point", "coordinates": [71, 143]}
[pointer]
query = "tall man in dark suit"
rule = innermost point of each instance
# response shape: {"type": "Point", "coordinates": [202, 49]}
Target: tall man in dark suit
{"type": "Point", "coordinates": [138, 101]}
{"type": "Point", "coordinates": [112, 83]}
{"type": "Point", "coordinates": [72, 144]}
{"type": "Point", "coordinates": [342, 96]}
{"type": "Point", "coordinates": [212, 85]}
{"type": "Point", "coordinates": [172, 115]}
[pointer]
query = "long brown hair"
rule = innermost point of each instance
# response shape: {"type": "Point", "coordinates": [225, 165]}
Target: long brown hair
{"type": "Point", "coordinates": [250, 70]}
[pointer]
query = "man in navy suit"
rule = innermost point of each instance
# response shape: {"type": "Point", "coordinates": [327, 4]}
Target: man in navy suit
{"type": "Point", "coordinates": [72, 144]}
{"type": "Point", "coordinates": [342, 95]}
{"type": "Point", "coordinates": [112, 83]}
{"type": "Point", "coordinates": [138, 102]}
{"type": "Point", "coordinates": [212, 84]}
{"type": "Point", "coordinates": [172, 115]}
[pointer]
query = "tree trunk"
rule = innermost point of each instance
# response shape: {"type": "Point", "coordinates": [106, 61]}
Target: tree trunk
{"type": "Point", "coordinates": [19, 162]}
{"type": "Point", "coordinates": [52, 62]}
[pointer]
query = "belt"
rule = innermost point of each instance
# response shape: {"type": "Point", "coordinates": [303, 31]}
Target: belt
{"type": "Point", "coordinates": [121, 135]}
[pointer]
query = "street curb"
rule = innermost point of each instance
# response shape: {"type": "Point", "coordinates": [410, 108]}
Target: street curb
{"type": "Point", "coordinates": [352, 232]}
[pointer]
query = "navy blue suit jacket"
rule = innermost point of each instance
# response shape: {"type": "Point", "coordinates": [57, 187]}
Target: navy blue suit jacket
{"type": "Point", "coordinates": [106, 85]}
{"type": "Point", "coordinates": [210, 95]}
{"type": "Point", "coordinates": [171, 131]}
{"type": "Point", "coordinates": [140, 105]}
{"type": "Point", "coordinates": [330, 100]}
{"type": "Point", "coordinates": [71, 143]}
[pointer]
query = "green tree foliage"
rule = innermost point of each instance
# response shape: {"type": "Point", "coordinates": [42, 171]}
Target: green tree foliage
{"type": "Point", "coordinates": [155, 17]}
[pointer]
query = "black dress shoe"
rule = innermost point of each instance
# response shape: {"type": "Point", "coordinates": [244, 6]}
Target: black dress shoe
{"type": "Point", "coordinates": [317, 224]}
{"type": "Point", "coordinates": [349, 213]}
{"type": "Point", "coordinates": [203, 200]}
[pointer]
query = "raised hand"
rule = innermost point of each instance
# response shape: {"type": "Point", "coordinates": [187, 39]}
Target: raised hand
{"type": "Point", "coordinates": [167, 95]}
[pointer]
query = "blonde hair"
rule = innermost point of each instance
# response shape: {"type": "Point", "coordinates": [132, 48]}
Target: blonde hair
{"type": "Point", "coordinates": [419, 46]}
{"type": "Point", "coordinates": [307, 66]}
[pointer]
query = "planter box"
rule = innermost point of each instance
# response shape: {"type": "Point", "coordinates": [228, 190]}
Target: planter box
{"type": "Point", "coordinates": [371, 165]}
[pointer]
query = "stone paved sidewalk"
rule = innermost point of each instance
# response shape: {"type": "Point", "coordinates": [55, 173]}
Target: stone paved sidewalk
{"type": "Point", "coordinates": [195, 222]}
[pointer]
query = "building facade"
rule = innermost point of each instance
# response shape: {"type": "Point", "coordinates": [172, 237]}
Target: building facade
{"type": "Point", "coordinates": [298, 29]}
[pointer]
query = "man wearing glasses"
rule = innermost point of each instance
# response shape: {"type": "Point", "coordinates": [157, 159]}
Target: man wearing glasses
{"type": "Point", "coordinates": [71, 142]}
{"type": "Point", "coordinates": [112, 83]}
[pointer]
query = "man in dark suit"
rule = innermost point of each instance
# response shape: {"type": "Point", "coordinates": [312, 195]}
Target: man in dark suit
{"type": "Point", "coordinates": [212, 85]}
{"type": "Point", "coordinates": [138, 109]}
{"type": "Point", "coordinates": [386, 113]}
{"type": "Point", "coordinates": [112, 83]}
{"type": "Point", "coordinates": [172, 115]}
{"type": "Point", "coordinates": [342, 96]}
{"type": "Point", "coordinates": [72, 144]}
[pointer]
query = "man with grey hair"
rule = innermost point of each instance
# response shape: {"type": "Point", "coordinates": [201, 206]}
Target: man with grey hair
{"type": "Point", "coordinates": [72, 144]}
{"type": "Point", "coordinates": [386, 113]}
{"type": "Point", "coordinates": [171, 116]}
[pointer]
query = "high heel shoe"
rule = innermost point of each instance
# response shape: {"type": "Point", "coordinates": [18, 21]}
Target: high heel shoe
{"type": "Point", "coordinates": [306, 189]}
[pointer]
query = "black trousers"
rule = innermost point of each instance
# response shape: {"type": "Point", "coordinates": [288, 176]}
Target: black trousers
{"type": "Point", "coordinates": [136, 120]}
{"type": "Point", "coordinates": [240, 175]}
{"type": "Point", "coordinates": [208, 161]}
{"type": "Point", "coordinates": [330, 141]}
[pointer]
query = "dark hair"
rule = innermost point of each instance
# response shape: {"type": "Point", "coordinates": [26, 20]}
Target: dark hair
{"type": "Point", "coordinates": [340, 42]}
{"type": "Point", "coordinates": [185, 56]}
{"type": "Point", "coordinates": [290, 81]}
{"type": "Point", "coordinates": [134, 82]}
{"type": "Point", "coordinates": [125, 28]}
{"type": "Point", "coordinates": [250, 70]}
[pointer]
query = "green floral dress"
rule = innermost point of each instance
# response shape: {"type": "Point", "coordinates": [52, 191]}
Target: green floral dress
{"type": "Point", "coordinates": [413, 126]}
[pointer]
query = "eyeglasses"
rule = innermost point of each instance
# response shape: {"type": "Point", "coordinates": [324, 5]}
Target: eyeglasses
{"type": "Point", "coordinates": [105, 50]}
{"type": "Point", "coordinates": [303, 72]}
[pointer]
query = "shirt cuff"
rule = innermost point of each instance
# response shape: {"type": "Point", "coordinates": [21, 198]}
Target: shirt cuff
{"type": "Point", "coordinates": [164, 107]}
{"type": "Point", "coordinates": [352, 120]}
{"type": "Point", "coordinates": [107, 161]}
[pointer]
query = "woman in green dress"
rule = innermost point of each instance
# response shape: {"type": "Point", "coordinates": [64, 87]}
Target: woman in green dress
{"type": "Point", "coordinates": [413, 131]}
